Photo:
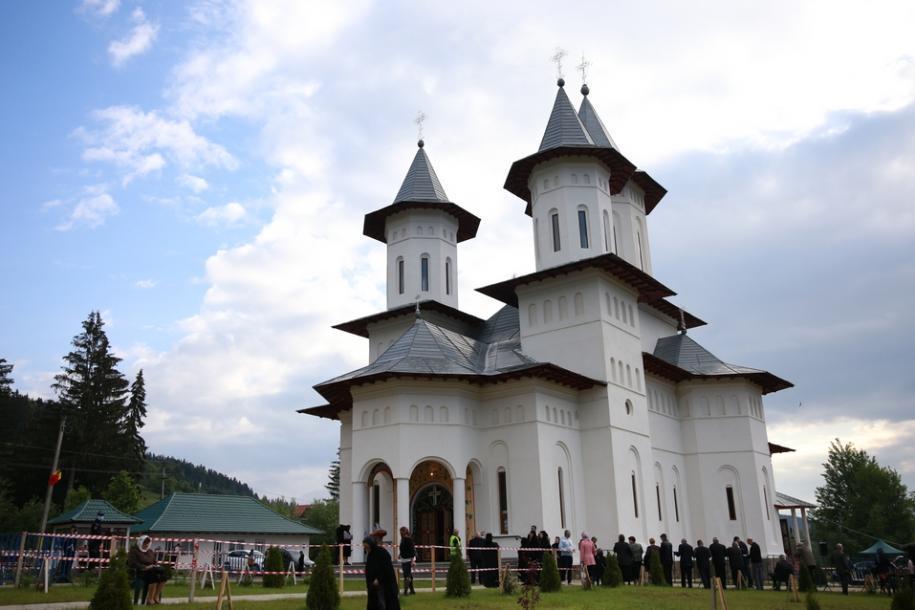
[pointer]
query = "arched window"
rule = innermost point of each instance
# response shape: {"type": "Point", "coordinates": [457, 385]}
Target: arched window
{"type": "Point", "coordinates": [563, 308]}
{"type": "Point", "coordinates": [548, 412]}
{"type": "Point", "coordinates": [365, 419]}
{"type": "Point", "coordinates": [579, 303]}
{"type": "Point", "coordinates": [587, 178]}
{"type": "Point", "coordinates": [443, 414]}
{"type": "Point", "coordinates": [532, 314]}
{"type": "Point", "coordinates": [400, 275]}
{"type": "Point", "coordinates": [625, 319]}
{"type": "Point", "coordinates": [607, 245]}
{"type": "Point", "coordinates": [657, 493]}
{"type": "Point", "coordinates": [676, 506]}
{"type": "Point", "coordinates": [547, 311]}
{"type": "Point", "coordinates": [419, 230]}
{"type": "Point", "coordinates": [428, 414]}
{"type": "Point", "coordinates": [537, 240]}
{"type": "Point", "coordinates": [635, 497]}
{"type": "Point", "coordinates": [638, 380]}
{"type": "Point", "coordinates": [562, 501]}
{"type": "Point", "coordinates": [613, 369]}
{"type": "Point", "coordinates": [628, 407]}
{"type": "Point", "coordinates": [631, 316]}
{"type": "Point", "coordinates": [574, 178]}
{"type": "Point", "coordinates": [387, 415]}
{"type": "Point", "coordinates": [424, 273]}
{"type": "Point", "coordinates": [640, 253]}
{"type": "Point", "coordinates": [620, 365]}
{"type": "Point", "coordinates": [555, 416]}
{"type": "Point", "coordinates": [766, 500]}
{"type": "Point", "coordinates": [554, 224]}
{"type": "Point", "coordinates": [414, 413]}
{"type": "Point", "coordinates": [732, 508]}
{"type": "Point", "coordinates": [562, 416]}
{"type": "Point", "coordinates": [616, 308]}
{"type": "Point", "coordinates": [502, 482]}
{"type": "Point", "coordinates": [447, 276]}
{"type": "Point", "coordinates": [628, 375]}
{"type": "Point", "coordinates": [375, 417]}
{"type": "Point", "coordinates": [583, 227]}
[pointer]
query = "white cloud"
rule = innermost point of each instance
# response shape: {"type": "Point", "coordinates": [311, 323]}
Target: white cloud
{"type": "Point", "coordinates": [100, 8]}
{"type": "Point", "coordinates": [145, 284]}
{"type": "Point", "coordinates": [195, 183]}
{"type": "Point", "coordinates": [227, 214]}
{"type": "Point", "coordinates": [142, 142]}
{"type": "Point", "coordinates": [139, 40]}
{"type": "Point", "coordinates": [92, 209]}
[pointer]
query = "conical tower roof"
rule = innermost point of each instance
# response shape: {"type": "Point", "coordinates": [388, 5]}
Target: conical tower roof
{"type": "Point", "coordinates": [564, 128]}
{"type": "Point", "coordinates": [421, 183]}
{"type": "Point", "coordinates": [590, 119]}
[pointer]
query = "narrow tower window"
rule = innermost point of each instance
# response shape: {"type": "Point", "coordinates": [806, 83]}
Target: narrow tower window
{"type": "Point", "coordinates": [676, 506]}
{"type": "Point", "coordinates": [448, 276]}
{"type": "Point", "coordinates": [635, 500]}
{"type": "Point", "coordinates": [657, 493]}
{"type": "Point", "coordinates": [503, 502]}
{"type": "Point", "coordinates": [732, 509]}
{"type": "Point", "coordinates": [606, 231]}
{"type": "Point", "coordinates": [400, 286]}
{"type": "Point", "coordinates": [766, 500]}
{"type": "Point", "coordinates": [554, 219]}
{"type": "Point", "coordinates": [583, 228]}
{"type": "Point", "coordinates": [562, 502]}
{"type": "Point", "coordinates": [424, 273]}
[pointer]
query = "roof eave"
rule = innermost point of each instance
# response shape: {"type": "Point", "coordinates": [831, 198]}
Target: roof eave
{"type": "Point", "coordinates": [374, 224]}
{"type": "Point", "coordinates": [359, 326]}
{"type": "Point", "coordinates": [768, 382]}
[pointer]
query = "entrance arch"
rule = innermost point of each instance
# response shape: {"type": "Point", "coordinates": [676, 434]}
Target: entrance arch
{"type": "Point", "coordinates": [431, 507]}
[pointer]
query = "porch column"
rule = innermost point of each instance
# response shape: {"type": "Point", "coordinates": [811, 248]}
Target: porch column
{"type": "Point", "coordinates": [806, 528]}
{"type": "Point", "coordinates": [460, 507]}
{"type": "Point", "coordinates": [360, 519]}
{"type": "Point", "coordinates": [796, 528]}
{"type": "Point", "coordinates": [403, 504]}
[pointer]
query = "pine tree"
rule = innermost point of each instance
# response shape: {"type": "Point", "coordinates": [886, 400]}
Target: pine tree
{"type": "Point", "coordinates": [135, 416]}
{"type": "Point", "coordinates": [654, 568]}
{"type": "Point", "coordinates": [6, 381]}
{"type": "Point", "coordinates": [322, 590]}
{"type": "Point", "coordinates": [273, 562]}
{"type": "Point", "coordinates": [333, 483]}
{"type": "Point", "coordinates": [113, 591]}
{"type": "Point", "coordinates": [549, 575]}
{"type": "Point", "coordinates": [613, 575]}
{"type": "Point", "coordinates": [458, 582]}
{"type": "Point", "coordinates": [93, 393]}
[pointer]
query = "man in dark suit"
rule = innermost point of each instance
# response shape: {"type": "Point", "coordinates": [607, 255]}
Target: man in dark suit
{"type": "Point", "coordinates": [703, 559]}
{"type": "Point", "coordinates": [685, 553]}
{"type": "Point", "coordinates": [719, 552]}
{"type": "Point", "coordinates": [667, 559]}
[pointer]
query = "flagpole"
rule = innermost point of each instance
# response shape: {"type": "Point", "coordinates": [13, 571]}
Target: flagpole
{"type": "Point", "coordinates": [47, 498]}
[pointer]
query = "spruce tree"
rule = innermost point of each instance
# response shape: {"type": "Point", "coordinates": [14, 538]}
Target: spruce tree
{"type": "Point", "coordinates": [613, 574]}
{"type": "Point", "coordinates": [322, 590]}
{"type": "Point", "coordinates": [654, 568]}
{"type": "Point", "coordinates": [333, 484]}
{"type": "Point", "coordinates": [549, 575]}
{"type": "Point", "coordinates": [113, 592]}
{"type": "Point", "coordinates": [458, 582]}
{"type": "Point", "coordinates": [135, 416]}
{"type": "Point", "coordinates": [6, 380]}
{"type": "Point", "coordinates": [93, 393]}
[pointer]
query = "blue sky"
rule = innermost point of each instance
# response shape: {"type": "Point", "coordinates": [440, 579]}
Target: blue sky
{"type": "Point", "coordinates": [198, 172]}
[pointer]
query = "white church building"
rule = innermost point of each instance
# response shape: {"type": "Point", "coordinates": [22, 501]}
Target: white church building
{"type": "Point", "coordinates": [581, 404]}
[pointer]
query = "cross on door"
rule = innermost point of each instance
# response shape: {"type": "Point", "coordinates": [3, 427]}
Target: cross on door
{"type": "Point", "coordinates": [434, 494]}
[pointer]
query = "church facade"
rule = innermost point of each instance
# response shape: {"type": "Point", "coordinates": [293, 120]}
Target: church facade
{"type": "Point", "coordinates": [583, 403]}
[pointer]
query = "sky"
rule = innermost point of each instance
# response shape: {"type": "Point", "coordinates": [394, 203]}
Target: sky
{"type": "Point", "coordinates": [198, 172]}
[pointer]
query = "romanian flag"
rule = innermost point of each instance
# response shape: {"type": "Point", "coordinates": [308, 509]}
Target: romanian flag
{"type": "Point", "coordinates": [55, 478]}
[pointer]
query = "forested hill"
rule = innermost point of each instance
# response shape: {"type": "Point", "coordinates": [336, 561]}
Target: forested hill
{"type": "Point", "coordinates": [181, 475]}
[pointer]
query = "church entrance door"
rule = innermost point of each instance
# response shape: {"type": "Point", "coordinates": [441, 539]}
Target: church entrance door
{"type": "Point", "coordinates": [433, 518]}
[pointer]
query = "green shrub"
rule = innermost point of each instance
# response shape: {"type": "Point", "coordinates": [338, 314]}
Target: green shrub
{"type": "Point", "coordinates": [322, 589]}
{"type": "Point", "coordinates": [613, 574]}
{"type": "Point", "coordinates": [804, 580]}
{"type": "Point", "coordinates": [458, 582]}
{"type": "Point", "coordinates": [510, 584]}
{"type": "Point", "coordinates": [549, 575]}
{"type": "Point", "coordinates": [113, 591]}
{"type": "Point", "coordinates": [654, 568]}
{"type": "Point", "coordinates": [273, 562]}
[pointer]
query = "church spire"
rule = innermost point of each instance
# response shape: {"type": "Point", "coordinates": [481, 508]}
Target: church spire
{"type": "Point", "coordinates": [590, 119]}
{"type": "Point", "coordinates": [421, 182]}
{"type": "Point", "coordinates": [564, 127]}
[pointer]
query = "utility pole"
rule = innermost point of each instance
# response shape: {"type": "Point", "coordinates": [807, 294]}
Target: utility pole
{"type": "Point", "coordinates": [47, 498]}
{"type": "Point", "coordinates": [162, 495]}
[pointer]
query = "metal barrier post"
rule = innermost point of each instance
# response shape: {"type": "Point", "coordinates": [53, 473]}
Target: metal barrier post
{"type": "Point", "coordinates": [22, 539]}
{"type": "Point", "coordinates": [193, 589]}
{"type": "Point", "coordinates": [340, 549]}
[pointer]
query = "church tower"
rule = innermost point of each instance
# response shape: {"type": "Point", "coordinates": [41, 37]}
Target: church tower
{"type": "Point", "coordinates": [421, 229]}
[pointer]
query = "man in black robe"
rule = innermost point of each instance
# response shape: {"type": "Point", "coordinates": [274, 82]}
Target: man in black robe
{"type": "Point", "coordinates": [719, 552]}
{"type": "Point", "coordinates": [667, 559]}
{"type": "Point", "coordinates": [703, 559]}
{"type": "Point", "coordinates": [685, 553]}
{"type": "Point", "coordinates": [475, 552]}
{"type": "Point", "coordinates": [490, 563]}
{"type": "Point", "coordinates": [380, 581]}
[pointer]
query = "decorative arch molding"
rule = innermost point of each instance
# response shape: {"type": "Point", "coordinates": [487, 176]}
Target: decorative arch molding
{"type": "Point", "coordinates": [433, 458]}
{"type": "Point", "coordinates": [368, 470]}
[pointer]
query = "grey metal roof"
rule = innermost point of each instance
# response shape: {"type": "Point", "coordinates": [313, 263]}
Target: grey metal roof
{"type": "Point", "coordinates": [564, 127]}
{"type": "Point", "coordinates": [595, 127]}
{"type": "Point", "coordinates": [681, 351]}
{"type": "Point", "coordinates": [421, 182]}
{"type": "Point", "coordinates": [786, 501]}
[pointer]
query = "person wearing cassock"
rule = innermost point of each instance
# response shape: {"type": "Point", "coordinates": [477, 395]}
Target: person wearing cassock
{"type": "Point", "coordinates": [380, 581]}
{"type": "Point", "coordinates": [735, 557]}
{"type": "Point", "coordinates": [719, 553]}
{"type": "Point", "coordinates": [667, 559]}
{"type": "Point", "coordinates": [490, 563]}
{"type": "Point", "coordinates": [623, 554]}
{"type": "Point", "coordinates": [685, 553]}
{"type": "Point", "coordinates": [703, 561]}
{"type": "Point", "coordinates": [475, 553]}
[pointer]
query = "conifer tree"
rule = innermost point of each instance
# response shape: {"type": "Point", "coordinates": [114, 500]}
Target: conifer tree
{"type": "Point", "coordinates": [273, 562]}
{"type": "Point", "coordinates": [654, 568]}
{"type": "Point", "coordinates": [6, 379]}
{"type": "Point", "coordinates": [123, 493]}
{"type": "Point", "coordinates": [458, 582]}
{"type": "Point", "coordinates": [135, 416]}
{"type": "Point", "coordinates": [333, 484]}
{"type": "Point", "coordinates": [113, 592]}
{"type": "Point", "coordinates": [613, 575]}
{"type": "Point", "coordinates": [322, 590]}
{"type": "Point", "coordinates": [549, 575]}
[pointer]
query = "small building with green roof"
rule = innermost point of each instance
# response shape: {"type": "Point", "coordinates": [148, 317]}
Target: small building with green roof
{"type": "Point", "coordinates": [221, 524]}
{"type": "Point", "coordinates": [82, 516]}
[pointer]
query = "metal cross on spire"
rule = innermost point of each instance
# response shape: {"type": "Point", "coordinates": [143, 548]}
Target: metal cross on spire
{"type": "Point", "coordinates": [583, 68]}
{"type": "Point", "coordinates": [420, 117]}
{"type": "Point", "coordinates": [557, 59]}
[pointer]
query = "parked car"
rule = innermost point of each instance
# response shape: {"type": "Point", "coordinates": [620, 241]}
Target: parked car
{"type": "Point", "coordinates": [237, 560]}
{"type": "Point", "coordinates": [290, 556]}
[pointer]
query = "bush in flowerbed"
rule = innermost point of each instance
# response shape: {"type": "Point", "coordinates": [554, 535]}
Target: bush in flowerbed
{"type": "Point", "coordinates": [458, 582]}
{"type": "Point", "coordinates": [322, 589]}
{"type": "Point", "coordinates": [113, 592]}
{"type": "Point", "coordinates": [549, 576]}
{"type": "Point", "coordinates": [273, 562]}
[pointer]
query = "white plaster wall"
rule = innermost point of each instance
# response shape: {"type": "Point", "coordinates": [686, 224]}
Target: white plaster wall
{"type": "Point", "coordinates": [411, 234]}
{"type": "Point", "coordinates": [654, 325]}
{"type": "Point", "coordinates": [383, 334]}
{"type": "Point", "coordinates": [565, 185]}
{"type": "Point", "coordinates": [629, 206]}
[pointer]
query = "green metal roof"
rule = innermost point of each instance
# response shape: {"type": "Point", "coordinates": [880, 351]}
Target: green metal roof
{"type": "Point", "coordinates": [212, 513]}
{"type": "Point", "coordinates": [86, 512]}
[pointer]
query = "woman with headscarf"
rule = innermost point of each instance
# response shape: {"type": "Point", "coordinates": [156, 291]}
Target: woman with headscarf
{"type": "Point", "coordinates": [490, 563]}
{"type": "Point", "coordinates": [586, 550]}
{"type": "Point", "coordinates": [380, 581]}
{"type": "Point", "coordinates": [140, 559]}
